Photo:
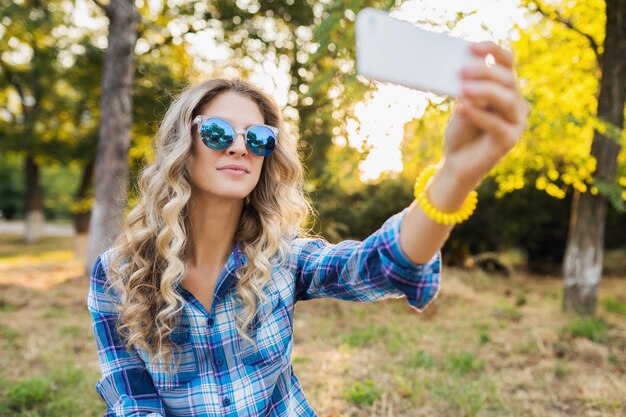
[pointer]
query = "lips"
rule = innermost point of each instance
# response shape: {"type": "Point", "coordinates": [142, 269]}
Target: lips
{"type": "Point", "coordinates": [235, 167]}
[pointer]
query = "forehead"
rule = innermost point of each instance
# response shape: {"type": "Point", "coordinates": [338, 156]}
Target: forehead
{"type": "Point", "coordinates": [240, 110]}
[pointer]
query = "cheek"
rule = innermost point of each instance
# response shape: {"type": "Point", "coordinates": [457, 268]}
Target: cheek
{"type": "Point", "coordinates": [199, 165]}
{"type": "Point", "coordinates": [259, 170]}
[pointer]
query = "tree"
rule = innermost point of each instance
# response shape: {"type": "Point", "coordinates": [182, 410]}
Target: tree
{"type": "Point", "coordinates": [585, 246]}
{"type": "Point", "coordinates": [145, 32]}
{"type": "Point", "coordinates": [577, 23]}
{"type": "Point", "coordinates": [31, 88]}
{"type": "Point", "coordinates": [559, 57]}
{"type": "Point", "coordinates": [111, 165]}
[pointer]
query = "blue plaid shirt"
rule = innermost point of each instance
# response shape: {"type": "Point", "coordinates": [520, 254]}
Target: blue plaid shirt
{"type": "Point", "coordinates": [222, 375]}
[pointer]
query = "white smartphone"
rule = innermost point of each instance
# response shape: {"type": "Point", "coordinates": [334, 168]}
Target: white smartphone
{"type": "Point", "coordinates": [399, 52]}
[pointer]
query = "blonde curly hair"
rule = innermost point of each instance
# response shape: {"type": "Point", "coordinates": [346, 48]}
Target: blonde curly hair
{"type": "Point", "coordinates": [148, 261]}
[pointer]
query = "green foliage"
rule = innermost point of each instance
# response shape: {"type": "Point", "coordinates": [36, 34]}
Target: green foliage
{"type": "Point", "coordinates": [56, 180]}
{"type": "Point", "coordinates": [559, 74]}
{"type": "Point", "coordinates": [355, 213]}
{"type": "Point", "coordinates": [362, 393]}
{"type": "Point", "coordinates": [43, 110]}
{"type": "Point", "coordinates": [536, 182]}
{"type": "Point", "coordinates": [541, 231]}
{"type": "Point", "coordinates": [614, 192]}
{"type": "Point", "coordinates": [594, 329]}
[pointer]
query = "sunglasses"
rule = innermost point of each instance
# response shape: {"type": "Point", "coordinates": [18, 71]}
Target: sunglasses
{"type": "Point", "coordinates": [218, 134]}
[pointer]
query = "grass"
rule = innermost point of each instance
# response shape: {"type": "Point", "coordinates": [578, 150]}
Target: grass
{"type": "Point", "coordinates": [507, 312]}
{"type": "Point", "coordinates": [560, 369]}
{"type": "Point", "coordinates": [12, 247]}
{"type": "Point", "coordinates": [420, 360]}
{"type": "Point", "coordinates": [483, 335]}
{"type": "Point", "coordinates": [361, 393]}
{"type": "Point", "coordinates": [365, 336]}
{"type": "Point", "coordinates": [487, 347]}
{"type": "Point", "coordinates": [468, 397]}
{"type": "Point", "coordinates": [589, 328]}
{"type": "Point", "coordinates": [65, 391]}
{"type": "Point", "coordinates": [8, 334]}
{"type": "Point", "coordinates": [463, 363]}
{"type": "Point", "coordinates": [26, 395]}
{"type": "Point", "coordinates": [6, 305]}
{"type": "Point", "coordinates": [614, 305]}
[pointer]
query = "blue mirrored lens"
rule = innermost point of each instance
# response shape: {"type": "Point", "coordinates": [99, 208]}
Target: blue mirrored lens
{"type": "Point", "coordinates": [261, 140]}
{"type": "Point", "coordinates": [216, 133]}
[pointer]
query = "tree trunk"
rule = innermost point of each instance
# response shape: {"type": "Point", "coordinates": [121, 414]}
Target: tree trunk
{"type": "Point", "coordinates": [115, 123]}
{"type": "Point", "coordinates": [584, 254]}
{"type": "Point", "coordinates": [81, 217]}
{"type": "Point", "coordinates": [34, 204]}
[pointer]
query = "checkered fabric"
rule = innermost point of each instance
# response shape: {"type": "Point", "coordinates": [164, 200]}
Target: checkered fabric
{"type": "Point", "coordinates": [220, 374]}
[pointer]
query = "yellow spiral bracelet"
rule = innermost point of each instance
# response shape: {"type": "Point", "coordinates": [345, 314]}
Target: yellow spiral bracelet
{"type": "Point", "coordinates": [441, 217]}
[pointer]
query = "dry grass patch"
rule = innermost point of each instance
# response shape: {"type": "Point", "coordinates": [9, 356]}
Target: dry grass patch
{"type": "Point", "coordinates": [487, 346]}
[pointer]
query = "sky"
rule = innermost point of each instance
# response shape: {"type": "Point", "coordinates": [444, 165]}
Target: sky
{"type": "Point", "coordinates": [382, 119]}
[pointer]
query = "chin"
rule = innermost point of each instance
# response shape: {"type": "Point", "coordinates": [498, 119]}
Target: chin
{"type": "Point", "coordinates": [232, 193]}
{"type": "Point", "coordinates": [228, 194]}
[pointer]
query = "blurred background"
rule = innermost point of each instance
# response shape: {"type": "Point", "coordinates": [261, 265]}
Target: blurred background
{"type": "Point", "coordinates": [531, 316]}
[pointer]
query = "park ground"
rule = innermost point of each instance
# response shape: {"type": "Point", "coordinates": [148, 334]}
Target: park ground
{"type": "Point", "coordinates": [488, 345]}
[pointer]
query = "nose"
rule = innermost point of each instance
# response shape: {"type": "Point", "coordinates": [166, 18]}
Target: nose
{"type": "Point", "coordinates": [239, 145]}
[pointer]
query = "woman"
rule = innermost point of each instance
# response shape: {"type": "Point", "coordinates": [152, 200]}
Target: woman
{"type": "Point", "coordinates": [193, 305]}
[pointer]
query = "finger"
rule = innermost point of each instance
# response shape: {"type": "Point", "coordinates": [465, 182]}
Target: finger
{"type": "Point", "coordinates": [499, 128]}
{"type": "Point", "coordinates": [501, 55]}
{"type": "Point", "coordinates": [502, 99]}
{"type": "Point", "coordinates": [498, 73]}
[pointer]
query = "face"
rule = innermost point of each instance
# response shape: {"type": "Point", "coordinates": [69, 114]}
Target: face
{"type": "Point", "coordinates": [207, 166]}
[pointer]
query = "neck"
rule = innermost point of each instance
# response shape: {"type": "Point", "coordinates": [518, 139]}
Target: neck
{"type": "Point", "coordinates": [214, 222]}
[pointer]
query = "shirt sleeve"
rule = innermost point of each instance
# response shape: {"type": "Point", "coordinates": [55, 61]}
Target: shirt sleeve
{"type": "Point", "coordinates": [125, 386]}
{"type": "Point", "coordinates": [370, 270]}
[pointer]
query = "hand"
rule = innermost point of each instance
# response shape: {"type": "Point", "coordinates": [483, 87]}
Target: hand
{"type": "Point", "coordinates": [488, 118]}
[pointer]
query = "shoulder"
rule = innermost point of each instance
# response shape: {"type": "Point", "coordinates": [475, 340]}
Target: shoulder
{"type": "Point", "coordinates": [101, 267]}
{"type": "Point", "coordinates": [101, 295]}
{"type": "Point", "coordinates": [302, 246]}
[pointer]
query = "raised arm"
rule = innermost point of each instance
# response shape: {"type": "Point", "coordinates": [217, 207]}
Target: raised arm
{"type": "Point", "coordinates": [125, 386]}
{"type": "Point", "coordinates": [370, 270]}
{"type": "Point", "coordinates": [486, 124]}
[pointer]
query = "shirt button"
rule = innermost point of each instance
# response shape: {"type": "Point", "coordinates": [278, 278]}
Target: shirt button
{"type": "Point", "coordinates": [210, 321]}
{"type": "Point", "coordinates": [219, 362]}
{"type": "Point", "coordinates": [226, 402]}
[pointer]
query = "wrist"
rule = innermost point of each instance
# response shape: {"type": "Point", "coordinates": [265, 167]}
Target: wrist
{"type": "Point", "coordinates": [450, 205]}
{"type": "Point", "coordinates": [449, 188]}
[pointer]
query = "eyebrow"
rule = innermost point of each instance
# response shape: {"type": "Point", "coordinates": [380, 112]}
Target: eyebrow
{"type": "Point", "coordinates": [231, 122]}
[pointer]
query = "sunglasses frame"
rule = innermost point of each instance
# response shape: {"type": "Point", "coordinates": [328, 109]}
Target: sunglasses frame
{"type": "Point", "coordinates": [199, 119]}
